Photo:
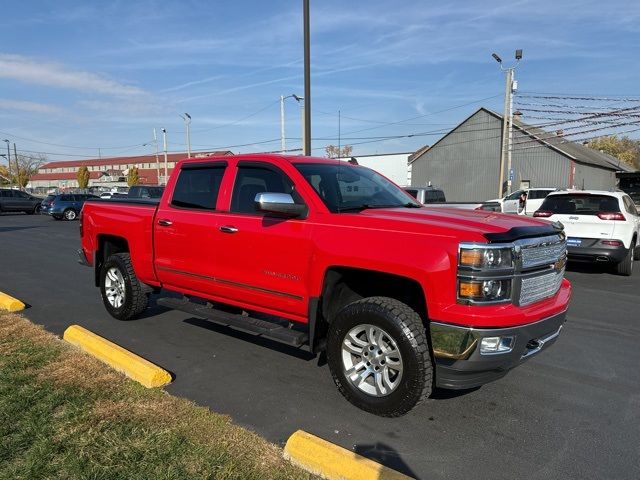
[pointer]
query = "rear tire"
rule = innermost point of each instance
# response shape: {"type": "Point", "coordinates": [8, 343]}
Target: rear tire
{"type": "Point", "coordinates": [70, 214]}
{"type": "Point", "coordinates": [123, 295]}
{"type": "Point", "coordinates": [383, 343]}
{"type": "Point", "coordinates": [625, 267]}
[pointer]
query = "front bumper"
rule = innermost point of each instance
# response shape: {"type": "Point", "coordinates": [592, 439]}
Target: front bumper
{"type": "Point", "coordinates": [461, 365]}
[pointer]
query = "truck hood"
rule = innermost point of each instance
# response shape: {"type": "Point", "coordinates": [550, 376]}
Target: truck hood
{"type": "Point", "coordinates": [480, 223]}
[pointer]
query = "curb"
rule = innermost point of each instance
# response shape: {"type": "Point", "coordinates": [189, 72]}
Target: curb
{"type": "Point", "coordinates": [332, 462]}
{"type": "Point", "coordinates": [132, 365]}
{"type": "Point", "coordinates": [10, 304]}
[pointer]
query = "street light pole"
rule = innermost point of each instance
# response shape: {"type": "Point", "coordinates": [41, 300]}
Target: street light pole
{"type": "Point", "coordinates": [187, 122]}
{"type": "Point", "coordinates": [9, 160]}
{"type": "Point", "coordinates": [507, 121]}
{"type": "Point", "coordinates": [164, 147]}
{"type": "Point", "coordinates": [15, 158]}
{"type": "Point", "coordinates": [283, 145]}
{"type": "Point", "coordinates": [155, 141]}
{"type": "Point", "coordinates": [307, 81]}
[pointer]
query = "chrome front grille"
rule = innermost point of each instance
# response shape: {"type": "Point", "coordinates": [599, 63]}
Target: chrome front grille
{"type": "Point", "coordinates": [543, 253]}
{"type": "Point", "coordinates": [533, 289]}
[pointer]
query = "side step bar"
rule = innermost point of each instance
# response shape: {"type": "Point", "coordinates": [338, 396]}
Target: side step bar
{"type": "Point", "coordinates": [242, 323]}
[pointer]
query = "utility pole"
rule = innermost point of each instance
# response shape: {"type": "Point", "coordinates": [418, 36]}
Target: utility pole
{"type": "Point", "coordinates": [507, 121]}
{"type": "Point", "coordinates": [307, 81]}
{"type": "Point", "coordinates": [164, 147]}
{"type": "Point", "coordinates": [155, 141]}
{"type": "Point", "coordinates": [9, 161]}
{"type": "Point", "coordinates": [187, 122]}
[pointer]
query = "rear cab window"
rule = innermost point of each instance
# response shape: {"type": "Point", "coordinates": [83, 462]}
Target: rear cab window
{"type": "Point", "coordinates": [580, 204]}
{"type": "Point", "coordinates": [198, 186]}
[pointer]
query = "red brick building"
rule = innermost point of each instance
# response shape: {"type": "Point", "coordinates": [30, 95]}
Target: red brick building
{"type": "Point", "coordinates": [108, 172]}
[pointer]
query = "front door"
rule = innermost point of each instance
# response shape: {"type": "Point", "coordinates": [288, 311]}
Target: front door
{"type": "Point", "coordinates": [185, 233]}
{"type": "Point", "coordinates": [266, 259]}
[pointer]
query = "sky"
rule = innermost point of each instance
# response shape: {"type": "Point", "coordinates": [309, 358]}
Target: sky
{"type": "Point", "coordinates": [80, 79]}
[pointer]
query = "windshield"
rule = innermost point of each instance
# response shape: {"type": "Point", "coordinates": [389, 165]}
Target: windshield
{"type": "Point", "coordinates": [580, 204]}
{"type": "Point", "coordinates": [348, 188]}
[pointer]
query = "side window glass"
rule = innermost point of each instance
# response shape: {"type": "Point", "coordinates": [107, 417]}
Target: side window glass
{"type": "Point", "coordinates": [251, 181]}
{"type": "Point", "coordinates": [198, 187]}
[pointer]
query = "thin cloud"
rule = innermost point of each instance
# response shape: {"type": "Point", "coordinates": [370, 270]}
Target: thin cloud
{"type": "Point", "coordinates": [6, 104]}
{"type": "Point", "coordinates": [28, 70]}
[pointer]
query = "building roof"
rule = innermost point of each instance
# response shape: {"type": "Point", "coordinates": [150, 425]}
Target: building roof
{"type": "Point", "coordinates": [417, 153]}
{"type": "Point", "coordinates": [573, 150]}
{"type": "Point", "coordinates": [171, 157]}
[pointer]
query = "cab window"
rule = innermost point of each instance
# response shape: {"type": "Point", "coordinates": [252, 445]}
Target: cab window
{"type": "Point", "coordinates": [252, 180]}
{"type": "Point", "coordinates": [198, 187]}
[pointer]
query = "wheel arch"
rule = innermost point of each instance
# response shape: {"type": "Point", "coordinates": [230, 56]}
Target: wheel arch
{"type": "Point", "coordinates": [344, 285]}
{"type": "Point", "coordinates": [107, 246]}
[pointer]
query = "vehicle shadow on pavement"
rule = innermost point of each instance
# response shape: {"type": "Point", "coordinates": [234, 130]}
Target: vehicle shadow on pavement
{"type": "Point", "coordinates": [257, 340]}
{"type": "Point", "coordinates": [386, 455]}
{"type": "Point", "coordinates": [446, 394]}
{"type": "Point", "coordinates": [589, 268]}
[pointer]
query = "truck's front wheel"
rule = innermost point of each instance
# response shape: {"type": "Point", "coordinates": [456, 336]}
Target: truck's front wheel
{"type": "Point", "coordinates": [122, 293]}
{"type": "Point", "coordinates": [378, 355]}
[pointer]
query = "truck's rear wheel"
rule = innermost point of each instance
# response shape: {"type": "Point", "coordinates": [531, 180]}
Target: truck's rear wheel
{"type": "Point", "coordinates": [122, 293]}
{"type": "Point", "coordinates": [378, 355]}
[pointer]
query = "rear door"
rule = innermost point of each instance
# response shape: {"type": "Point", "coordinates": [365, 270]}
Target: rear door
{"type": "Point", "coordinates": [585, 216]}
{"type": "Point", "coordinates": [185, 232]}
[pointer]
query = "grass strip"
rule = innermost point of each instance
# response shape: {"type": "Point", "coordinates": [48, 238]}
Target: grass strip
{"type": "Point", "coordinates": [65, 415]}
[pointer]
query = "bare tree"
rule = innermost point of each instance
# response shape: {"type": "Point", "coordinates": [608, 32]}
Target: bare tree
{"type": "Point", "coordinates": [27, 165]}
{"type": "Point", "coordinates": [333, 151]}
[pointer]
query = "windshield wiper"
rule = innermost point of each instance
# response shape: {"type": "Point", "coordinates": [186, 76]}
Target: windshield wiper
{"type": "Point", "coordinates": [366, 206]}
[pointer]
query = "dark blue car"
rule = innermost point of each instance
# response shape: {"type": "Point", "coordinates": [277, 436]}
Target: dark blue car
{"type": "Point", "coordinates": [66, 206]}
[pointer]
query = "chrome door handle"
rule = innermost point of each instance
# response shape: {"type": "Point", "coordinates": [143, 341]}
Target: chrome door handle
{"type": "Point", "coordinates": [165, 223]}
{"type": "Point", "coordinates": [228, 229]}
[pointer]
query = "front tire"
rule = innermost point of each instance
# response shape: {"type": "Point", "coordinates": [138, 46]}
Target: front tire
{"type": "Point", "coordinates": [378, 355]}
{"type": "Point", "coordinates": [123, 294]}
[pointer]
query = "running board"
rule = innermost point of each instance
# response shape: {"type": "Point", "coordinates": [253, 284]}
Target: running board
{"type": "Point", "coordinates": [242, 323]}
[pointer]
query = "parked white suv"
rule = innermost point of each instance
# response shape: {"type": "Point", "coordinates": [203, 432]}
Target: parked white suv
{"type": "Point", "coordinates": [600, 226]}
{"type": "Point", "coordinates": [523, 202]}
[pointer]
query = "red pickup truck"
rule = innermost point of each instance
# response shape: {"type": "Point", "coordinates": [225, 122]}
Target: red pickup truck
{"type": "Point", "coordinates": [325, 255]}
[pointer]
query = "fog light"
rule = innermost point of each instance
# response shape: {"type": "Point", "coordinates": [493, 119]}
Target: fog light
{"type": "Point", "coordinates": [491, 345]}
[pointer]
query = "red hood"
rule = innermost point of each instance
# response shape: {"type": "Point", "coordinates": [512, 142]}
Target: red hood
{"type": "Point", "coordinates": [454, 221]}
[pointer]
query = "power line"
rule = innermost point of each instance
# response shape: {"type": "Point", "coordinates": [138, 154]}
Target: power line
{"type": "Point", "coordinates": [69, 146]}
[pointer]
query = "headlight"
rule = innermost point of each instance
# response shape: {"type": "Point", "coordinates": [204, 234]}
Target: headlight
{"type": "Point", "coordinates": [484, 290]}
{"type": "Point", "coordinates": [486, 258]}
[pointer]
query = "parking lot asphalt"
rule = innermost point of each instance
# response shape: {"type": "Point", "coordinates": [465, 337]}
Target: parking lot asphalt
{"type": "Point", "coordinates": [571, 412]}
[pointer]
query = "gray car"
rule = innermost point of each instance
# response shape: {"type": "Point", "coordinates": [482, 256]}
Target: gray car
{"type": "Point", "coordinates": [17, 201]}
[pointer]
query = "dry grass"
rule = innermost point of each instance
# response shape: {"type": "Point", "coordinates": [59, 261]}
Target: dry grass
{"type": "Point", "coordinates": [63, 414]}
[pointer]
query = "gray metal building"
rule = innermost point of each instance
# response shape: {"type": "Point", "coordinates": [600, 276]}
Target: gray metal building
{"type": "Point", "coordinates": [465, 163]}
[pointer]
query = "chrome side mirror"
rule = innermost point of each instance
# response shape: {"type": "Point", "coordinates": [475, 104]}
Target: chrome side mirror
{"type": "Point", "coordinates": [279, 204]}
